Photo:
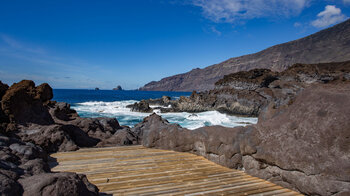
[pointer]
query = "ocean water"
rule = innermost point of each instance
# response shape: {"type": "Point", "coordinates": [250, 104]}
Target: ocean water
{"type": "Point", "coordinates": [108, 103]}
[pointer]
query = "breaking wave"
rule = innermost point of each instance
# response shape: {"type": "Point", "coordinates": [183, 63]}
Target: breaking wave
{"type": "Point", "coordinates": [125, 116]}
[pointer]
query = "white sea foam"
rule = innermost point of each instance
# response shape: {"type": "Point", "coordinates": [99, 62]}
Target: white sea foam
{"type": "Point", "coordinates": [125, 116]}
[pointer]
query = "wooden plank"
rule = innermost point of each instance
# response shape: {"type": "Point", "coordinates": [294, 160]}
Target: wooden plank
{"type": "Point", "coordinates": [136, 170]}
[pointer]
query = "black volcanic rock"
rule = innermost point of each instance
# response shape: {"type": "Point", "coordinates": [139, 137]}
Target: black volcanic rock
{"type": "Point", "coordinates": [124, 136]}
{"type": "Point", "coordinates": [118, 88]}
{"type": "Point", "coordinates": [3, 89]}
{"type": "Point", "coordinates": [306, 145]}
{"type": "Point", "coordinates": [44, 92]}
{"type": "Point", "coordinates": [65, 184]}
{"type": "Point", "coordinates": [141, 106]}
{"type": "Point", "coordinates": [248, 80]}
{"type": "Point", "coordinates": [35, 126]}
{"type": "Point", "coordinates": [24, 171]}
{"type": "Point", "coordinates": [28, 113]}
{"type": "Point", "coordinates": [24, 103]}
{"type": "Point", "coordinates": [303, 145]}
{"type": "Point", "coordinates": [329, 45]}
{"type": "Point", "coordinates": [249, 92]}
{"type": "Point", "coordinates": [61, 112]}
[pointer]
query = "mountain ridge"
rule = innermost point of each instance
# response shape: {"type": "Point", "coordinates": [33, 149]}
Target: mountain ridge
{"type": "Point", "coordinates": [328, 45]}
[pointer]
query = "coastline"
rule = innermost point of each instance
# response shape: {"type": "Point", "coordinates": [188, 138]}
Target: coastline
{"type": "Point", "coordinates": [293, 142]}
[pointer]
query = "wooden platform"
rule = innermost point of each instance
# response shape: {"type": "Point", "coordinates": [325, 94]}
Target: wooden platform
{"type": "Point", "coordinates": [136, 170]}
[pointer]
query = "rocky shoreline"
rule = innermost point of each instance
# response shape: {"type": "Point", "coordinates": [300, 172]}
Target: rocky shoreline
{"type": "Point", "coordinates": [247, 93]}
{"type": "Point", "coordinates": [303, 146]}
{"type": "Point", "coordinates": [33, 126]}
{"type": "Point", "coordinates": [300, 142]}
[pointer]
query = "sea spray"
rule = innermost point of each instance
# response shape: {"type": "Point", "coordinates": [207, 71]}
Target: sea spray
{"type": "Point", "coordinates": [125, 116]}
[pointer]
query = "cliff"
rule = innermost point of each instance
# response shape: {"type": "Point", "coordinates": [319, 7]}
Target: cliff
{"type": "Point", "coordinates": [329, 45]}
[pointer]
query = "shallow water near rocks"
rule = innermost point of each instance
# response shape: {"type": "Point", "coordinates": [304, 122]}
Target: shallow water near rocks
{"type": "Point", "coordinates": [108, 103]}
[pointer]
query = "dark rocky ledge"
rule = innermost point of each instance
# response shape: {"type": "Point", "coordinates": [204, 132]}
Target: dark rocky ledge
{"type": "Point", "coordinates": [32, 126]}
{"type": "Point", "coordinates": [303, 146]}
{"type": "Point", "coordinates": [249, 92]}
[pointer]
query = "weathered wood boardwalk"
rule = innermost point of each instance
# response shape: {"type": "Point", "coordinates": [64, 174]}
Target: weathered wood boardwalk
{"type": "Point", "coordinates": [136, 170]}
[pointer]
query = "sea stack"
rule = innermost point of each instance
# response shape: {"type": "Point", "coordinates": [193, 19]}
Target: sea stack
{"type": "Point", "coordinates": [118, 88]}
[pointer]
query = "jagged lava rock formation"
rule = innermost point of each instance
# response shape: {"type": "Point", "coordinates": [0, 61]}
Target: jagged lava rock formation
{"type": "Point", "coordinates": [329, 45]}
{"type": "Point", "coordinates": [32, 126]}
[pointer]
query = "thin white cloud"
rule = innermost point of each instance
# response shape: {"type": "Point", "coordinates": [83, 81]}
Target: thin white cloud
{"type": "Point", "coordinates": [297, 24]}
{"type": "Point", "coordinates": [214, 30]}
{"type": "Point", "coordinates": [14, 44]}
{"type": "Point", "coordinates": [329, 16]}
{"type": "Point", "coordinates": [233, 10]}
{"type": "Point", "coordinates": [346, 1]}
{"type": "Point", "coordinates": [37, 64]}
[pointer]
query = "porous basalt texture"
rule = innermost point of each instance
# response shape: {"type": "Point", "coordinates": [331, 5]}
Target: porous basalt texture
{"type": "Point", "coordinates": [24, 103]}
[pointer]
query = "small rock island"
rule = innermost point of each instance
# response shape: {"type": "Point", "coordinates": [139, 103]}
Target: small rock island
{"type": "Point", "coordinates": [118, 88]}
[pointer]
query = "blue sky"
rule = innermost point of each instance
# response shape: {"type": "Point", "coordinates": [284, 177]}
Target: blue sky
{"type": "Point", "coordinates": [88, 44]}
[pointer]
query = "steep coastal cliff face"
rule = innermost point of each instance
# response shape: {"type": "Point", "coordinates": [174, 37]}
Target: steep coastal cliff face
{"type": "Point", "coordinates": [249, 92]}
{"type": "Point", "coordinates": [303, 146]}
{"type": "Point", "coordinates": [329, 45]}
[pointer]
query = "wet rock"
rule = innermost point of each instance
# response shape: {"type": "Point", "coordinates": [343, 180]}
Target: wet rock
{"type": "Point", "coordinates": [103, 130]}
{"type": "Point", "coordinates": [141, 106]}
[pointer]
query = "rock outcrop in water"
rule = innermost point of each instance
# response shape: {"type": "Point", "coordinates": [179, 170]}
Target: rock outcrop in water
{"type": "Point", "coordinates": [32, 126]}
{"type": "Point", "coordinates": [332, 44]}
{"type": "Point", "coordinates": [303, 145]}
{"type": "Point", "coordinates": [248, 93]}
{"type": "Point", "coordinates": [118, 88]}
{"type": "Point", "coordinates": [141, 106]}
